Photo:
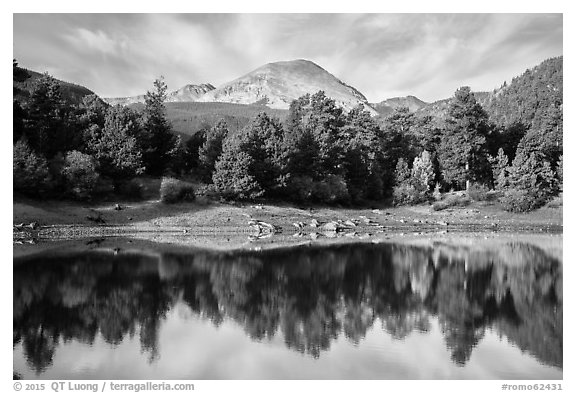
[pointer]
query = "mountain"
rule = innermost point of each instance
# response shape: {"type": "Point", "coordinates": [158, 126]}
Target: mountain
{"type": "Point", "coordinates": [187, 93]}
{"type": "Point", "coordinates": [71, 92]}
{"type": "Point", "coordinates": [386, 107]}
{"type": "Point", "coordinates": [275, 85]}
{"type": "Point", "coordinates": [530, 97]}
{"type": "Point", "coordinates": [526, 100]}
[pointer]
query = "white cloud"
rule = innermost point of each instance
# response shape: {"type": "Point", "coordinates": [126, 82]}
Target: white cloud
{"type": "Point", "coordinates": [427, 55]}
{"type": "Point", "coordinates": [86, 40]}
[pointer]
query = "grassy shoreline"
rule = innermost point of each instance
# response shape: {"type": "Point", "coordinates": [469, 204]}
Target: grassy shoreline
{"type": "Point", "coordinates": [159, 222]}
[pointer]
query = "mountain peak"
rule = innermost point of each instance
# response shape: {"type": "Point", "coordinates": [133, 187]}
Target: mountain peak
{"type": "Point", "coordinates": [279, 83]}
{"type": "Point", "coordinates": [294, 63]}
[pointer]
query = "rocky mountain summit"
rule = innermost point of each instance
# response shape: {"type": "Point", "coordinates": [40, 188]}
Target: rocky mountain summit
{"type": "Point", "coordinates": [277, 84]}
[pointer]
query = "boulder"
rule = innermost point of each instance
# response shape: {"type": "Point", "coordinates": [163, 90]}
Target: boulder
{"type": "Point", "coordinates": [332, 226]}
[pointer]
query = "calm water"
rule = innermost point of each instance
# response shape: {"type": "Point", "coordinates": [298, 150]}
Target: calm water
{"type": "Point", "coordinates": [386, 311]}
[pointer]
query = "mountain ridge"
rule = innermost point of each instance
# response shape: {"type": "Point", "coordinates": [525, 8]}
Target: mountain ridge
{"type": "Point", "coordinates": [71, 92]}
{"type": "Point", "coordinates": [187, 93]}
{"type": "Point", "coordinates": [514, 102]}
{"type": "Point", "coordinates": [388, 106]}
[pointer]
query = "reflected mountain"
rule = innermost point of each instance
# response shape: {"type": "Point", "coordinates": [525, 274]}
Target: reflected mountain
{"type": "Point", "coordinates": [310, 296]}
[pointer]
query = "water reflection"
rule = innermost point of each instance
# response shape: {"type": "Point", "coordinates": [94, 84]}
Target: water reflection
{"type": "Point", "coordinates": [309, 296]}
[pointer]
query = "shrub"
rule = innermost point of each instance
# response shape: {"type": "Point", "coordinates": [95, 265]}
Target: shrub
{"type": "Point", "coordinates": [130, 189]}
{"type": "Point", "coordinates": [331, 190]}
{"type": "Point", "coordinates": [556, 202]}
{"type": "Point", "coordinates": [478, 192]}
{"type": "Point", "coordinates": [407, 194]}
{"type": "Point", "coordinates": [104, 187]}
{"type": "Point", "coordinates": [29, 170]}
{"type": "Point", "coordinates": [451, 201]}
{"type": "Point", "coordinates": [207, 191]}
{"type": "Point", "coordinates": [174, 190]}
{"type": "Point", "coordinates": [80, 174]}
{"type": "Point", "coordinates": [519, 201]}
{"type": "Point", "coordinates": [301, 188]}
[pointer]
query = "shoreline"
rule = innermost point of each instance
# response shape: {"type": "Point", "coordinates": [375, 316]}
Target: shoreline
{"type": "Point", "coordinates": [158, 243]}
{"type": "Point", "coordinates": [222, 226]}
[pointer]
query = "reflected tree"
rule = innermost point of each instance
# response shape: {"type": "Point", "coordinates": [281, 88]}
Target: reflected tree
{"type": "Point", "coordinates": [309, 296]}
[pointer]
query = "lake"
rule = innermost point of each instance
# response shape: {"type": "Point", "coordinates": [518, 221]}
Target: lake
{"type": "Point", "coordinates": [117, 309]}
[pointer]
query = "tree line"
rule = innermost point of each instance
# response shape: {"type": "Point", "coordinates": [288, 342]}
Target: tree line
{"type": "Point", "coordinates": [81, 150]}
{"type": "Point", "coordinates": [319, 154]}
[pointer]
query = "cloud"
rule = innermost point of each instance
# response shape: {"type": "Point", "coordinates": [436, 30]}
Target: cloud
{"type": "Point", "coordinates": [383, 55]}
{"type": "Point", "coordinates": [88, 41]}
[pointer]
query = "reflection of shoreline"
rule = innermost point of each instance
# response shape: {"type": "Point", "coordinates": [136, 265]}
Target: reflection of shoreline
{"type": "Point", "coordinates": [311, 295]}
{"type": "Point", "coordinates": [185, 244]}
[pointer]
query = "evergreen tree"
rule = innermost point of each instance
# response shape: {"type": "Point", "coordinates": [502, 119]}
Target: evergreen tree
{"type": "Point", "coordinates": [116, 149]}
{"type": "Point", "coordinates": [300, 147]}
{"type": "Point", "coordinates": [325, 120]}
{"type": "Point", "coordinates": [422, 175]}
{"type": "Point", "coordinates": [193, 146]}
{"type": "Point", "coordinates": [19, 114]}
{"type": "Point", "coordinates": [499, 165]}
{"type": "Point", "coordinates": [363, 154]}
{"type": "Point", "coordinates": [316, 116]}
{"type": "Point", "coordinates": [426, 134]}
{"type": "Point", "coordinates": [262, 140]}
{"type": "Point", "coordinates": [261, 145]}
{"type": "Point", "coordinates": [91, 117]}
{"type": "Point", "coordinates": [211, 149]}
{"type": "Point", "coordinates": [402, 172]}
{"type": "Point", "coordinates": [156, 140]}
{"type": "Point", "coordinates": [232, 177]}
{"type": "Point", "coordinates": [549, 134]}
{"type": "Point", "coordinates": [47, 127]}
{"type": "Point", "coordinates": [396, 141]}
{"type": "Point", "coordinates": [531, 180]}
{"type": "Point", "coordinates": [509, 138]}
{"type": "Point", "coordinates": [462, 152]}
{"type": "Point", "coordinates": [560, 172]}
{"type": "Point", "coordinates": [80, 174]}
{"type": "Point", "coordinates": [178, 157]}
{"type": "Point", "coordinates": [29, 170]}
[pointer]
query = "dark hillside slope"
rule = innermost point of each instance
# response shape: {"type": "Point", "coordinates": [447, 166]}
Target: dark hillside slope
{"type": "Point", "coordinates": [526, 100]}
{"type": "Point", "coordinates": [71, 92]}
{"type": "Point", "coordinates": [187, 118]}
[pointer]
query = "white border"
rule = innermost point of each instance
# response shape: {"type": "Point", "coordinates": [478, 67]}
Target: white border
{"type": "Point", "coordinates": [259, 6]}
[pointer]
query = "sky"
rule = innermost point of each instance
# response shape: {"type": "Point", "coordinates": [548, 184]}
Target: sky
{"type": "Point", "coordinates": [382, 55]}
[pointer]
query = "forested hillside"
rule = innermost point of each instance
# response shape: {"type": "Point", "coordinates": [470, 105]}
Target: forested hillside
{"type": "Point", "coordinates": [530, 98]}
{"type": "Point", "coordinates": [189, 117]}
{"type": "Point", "coordinates": [71, 92]}
{"type": "Point", "coordinates": [506, 144]}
